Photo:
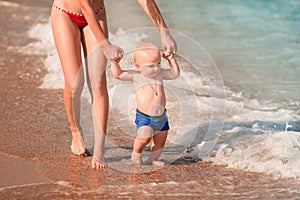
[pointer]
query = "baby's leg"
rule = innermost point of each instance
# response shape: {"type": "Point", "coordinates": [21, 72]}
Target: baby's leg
{"type": "Point", "coordinates": [144, 135]}
{"type": "Point", "coordinates": [159, 140]}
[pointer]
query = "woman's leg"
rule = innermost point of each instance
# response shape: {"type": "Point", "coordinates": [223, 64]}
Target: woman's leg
{"type": "Point", "coordinates": [96, 75]}
{"type": "Point", "coordinates": [67, 40]}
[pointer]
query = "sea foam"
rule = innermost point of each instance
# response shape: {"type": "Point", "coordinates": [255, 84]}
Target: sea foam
{"type": "Point", "coordinates": [253, 149]}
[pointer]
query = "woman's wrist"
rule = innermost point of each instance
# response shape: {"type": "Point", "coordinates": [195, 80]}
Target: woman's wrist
{"type": "Point", "coordinates": [104, 43]}
{"type": "Point", "coordinates": [164, 31]}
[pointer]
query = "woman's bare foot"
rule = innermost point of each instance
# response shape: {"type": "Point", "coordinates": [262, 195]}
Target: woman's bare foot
{"type": "Point", "coordinates": [77, 147]}
{"type": "Point", "coordinates": [98, 164]}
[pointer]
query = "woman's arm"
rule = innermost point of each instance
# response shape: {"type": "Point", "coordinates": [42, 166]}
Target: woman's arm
{"type": "Point", "coordinates": [91, 18]}
{"type": "Point", "coordinates": [110, 51]}
{"type": "Point", "coordinates": [152, 10]}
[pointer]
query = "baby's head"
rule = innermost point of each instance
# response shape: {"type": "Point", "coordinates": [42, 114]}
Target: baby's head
{"type": "Point", "coordinates": [146, 53]}
{"type": "Point", "coordinates": [147, 57]}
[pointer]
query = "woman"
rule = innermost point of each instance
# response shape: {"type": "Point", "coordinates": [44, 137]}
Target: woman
{"type": "Point", "coordinates": [83, 22]}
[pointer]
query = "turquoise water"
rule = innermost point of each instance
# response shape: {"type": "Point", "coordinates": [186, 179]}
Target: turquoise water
{"type": "Point", "coordinates": [255, 43]}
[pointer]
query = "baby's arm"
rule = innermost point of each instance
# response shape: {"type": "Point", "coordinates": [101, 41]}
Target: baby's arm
{"type": "Point", "coordinates": [118, 73]}
{"type": "Point", "coordinates": [174, 71]}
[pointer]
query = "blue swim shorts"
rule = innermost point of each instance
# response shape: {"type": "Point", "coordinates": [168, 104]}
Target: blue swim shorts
{"type": "Point", "coordinates": [159, 123]}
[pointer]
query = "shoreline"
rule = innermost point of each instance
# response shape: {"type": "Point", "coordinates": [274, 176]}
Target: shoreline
{"type": "Point", "coordinates": [36, 161]}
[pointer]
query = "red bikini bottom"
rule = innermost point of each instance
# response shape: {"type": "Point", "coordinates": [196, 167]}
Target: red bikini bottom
{"type": "Point", "coordinates": [79, 19]}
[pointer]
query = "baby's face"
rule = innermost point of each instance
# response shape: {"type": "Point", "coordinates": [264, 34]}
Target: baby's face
{"type": "Point", "coordinates": [148, 61]}
{"type": "Point", "coordinates": [150, 70]}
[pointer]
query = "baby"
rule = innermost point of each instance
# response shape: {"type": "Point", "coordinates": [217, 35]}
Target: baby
{"type": "Point", "coordinates": [151, 114]}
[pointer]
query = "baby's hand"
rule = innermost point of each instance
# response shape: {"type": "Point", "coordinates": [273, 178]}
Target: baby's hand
{"type": "Point", "coordinates": [117, 60]}
{"type": "Point", "coordinates": [169, 57]}
{"type": "Point", "coordinates": [111, 52]}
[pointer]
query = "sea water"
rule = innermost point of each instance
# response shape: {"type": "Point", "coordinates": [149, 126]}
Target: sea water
{"type": "Point", "coordinates": [239, 73]}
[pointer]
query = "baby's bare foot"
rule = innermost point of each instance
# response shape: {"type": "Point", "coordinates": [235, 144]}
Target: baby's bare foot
{"type": "Point", "coordinates": [136, 158]}
{"type": "Point", "coordinates": [77, 147]}
{"type": "Point", "coordinates": [158, 163]}
{"type": "Point", "coordinates": [98, 164]}
{"type": "Point", "coordinates": [154, 162]}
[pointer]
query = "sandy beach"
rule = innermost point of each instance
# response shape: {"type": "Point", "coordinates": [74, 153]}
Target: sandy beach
{"type": "Point", "coordinates": [36, 161]}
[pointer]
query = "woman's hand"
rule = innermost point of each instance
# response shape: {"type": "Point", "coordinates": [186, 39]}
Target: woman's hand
{"type": "Point", "coordinates": [111, 52]}
{"type": "Point", "coordinates": [168, 43]}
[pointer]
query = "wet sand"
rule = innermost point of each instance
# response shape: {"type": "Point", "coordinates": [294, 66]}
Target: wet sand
{"type": "Point", "coordinates": [36, 162]}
